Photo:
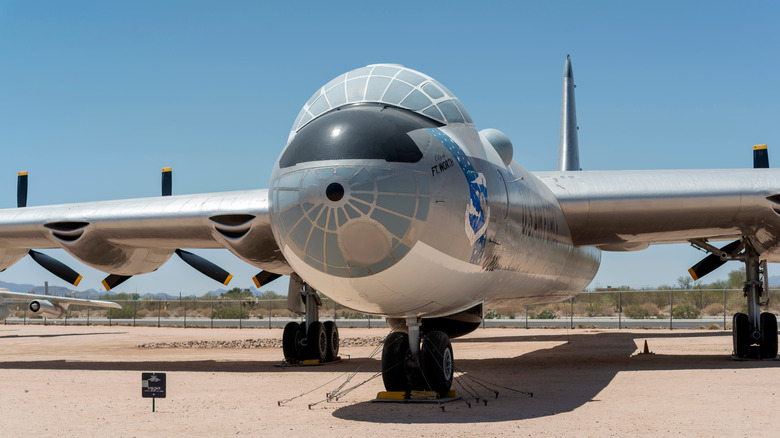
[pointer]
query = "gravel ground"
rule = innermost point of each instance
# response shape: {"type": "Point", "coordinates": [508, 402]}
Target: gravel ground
{"type": "Point", "coordinates": [85, 381]}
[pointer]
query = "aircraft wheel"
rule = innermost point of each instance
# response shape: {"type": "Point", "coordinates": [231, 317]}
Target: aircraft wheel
{"type": "Point", "coordinates": [768, 324]}
{"type": "Point", "coordinates": [741, 330]}
{"type": "Point", "coordinates": [291, 342]}
{"type": "Point", "coordinates": [332, 333]}
{"type": "Point", "coordinates": [437, 362]}
{"type": "Point", "coordinates": [317, 341]}
{"type": "Point", "coordinates": [397, 374]}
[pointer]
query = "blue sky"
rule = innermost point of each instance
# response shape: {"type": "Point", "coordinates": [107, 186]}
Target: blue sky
{"type": "Point", "coordinates": [96, 97]}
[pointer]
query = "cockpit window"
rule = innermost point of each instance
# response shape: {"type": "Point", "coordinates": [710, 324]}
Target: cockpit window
{"type": "Point", "coordinates": [358, 132]}
{"type": "Point", "coordinates": [390, 84]}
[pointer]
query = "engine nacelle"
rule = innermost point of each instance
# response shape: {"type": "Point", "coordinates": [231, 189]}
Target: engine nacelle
{"type": "Point", "coordinates": [5, 312]}
{"type": "Point", "coordinates": [9, 256]}
{"type": "Point", "coordinates": [47, 309]}
{"type": "Point", "coordinates": [250, 238]}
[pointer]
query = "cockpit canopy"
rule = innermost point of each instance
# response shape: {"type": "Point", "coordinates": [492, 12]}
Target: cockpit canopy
{"type": "Point", "coordinates": [390, 84]}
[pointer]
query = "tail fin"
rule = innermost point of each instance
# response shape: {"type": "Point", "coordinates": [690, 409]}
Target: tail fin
{"type": "Point", "coordinates": [568, 149]}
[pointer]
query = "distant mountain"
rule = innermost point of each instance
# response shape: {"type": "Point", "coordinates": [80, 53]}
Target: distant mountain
{"type": "Point", "coordinates": [92, 293]}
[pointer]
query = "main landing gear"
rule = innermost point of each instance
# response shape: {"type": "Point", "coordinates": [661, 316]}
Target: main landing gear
{"type": "Point", "coordinates": [408, 366]}
{"type": "Point", "coordinates": [310, 340]}
{"type": "Point", "coordinates": [755, 333]}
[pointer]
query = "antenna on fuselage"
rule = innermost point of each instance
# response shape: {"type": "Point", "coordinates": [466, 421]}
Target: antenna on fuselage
{"type": "Point", "coordinates": [568, 149]}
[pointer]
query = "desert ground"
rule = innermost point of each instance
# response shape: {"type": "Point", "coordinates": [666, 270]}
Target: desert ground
{"type": "Point", "coordinates": [86, 381]}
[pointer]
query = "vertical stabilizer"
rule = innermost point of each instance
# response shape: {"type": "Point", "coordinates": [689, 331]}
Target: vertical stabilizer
{"type": "Point", "coordinates": [568, 150]}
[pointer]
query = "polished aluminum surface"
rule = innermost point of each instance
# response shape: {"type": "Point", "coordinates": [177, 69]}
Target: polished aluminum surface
{"type": "Point", "coordinates": [135, 236]}
{"type": "Point", "coordinates": [568, 147]}
{"type": "Point", "coordinates": [625, 210]}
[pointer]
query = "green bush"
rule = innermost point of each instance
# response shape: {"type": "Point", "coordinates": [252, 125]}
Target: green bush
{"type": "Point", "coordinates": [544, 314]}
{"type": "Point", "coordinates": [492, 314]}
{"type": "Point", "coordinates": [686, 311]}
{"type": "Point", "coordinates": [230, 313]}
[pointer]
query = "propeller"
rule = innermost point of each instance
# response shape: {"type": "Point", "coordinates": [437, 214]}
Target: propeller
{"type": "Point", "coordinates": [205, 267]}
{"type": "Point", "coordinates": [113, 281]}
{"type": "Point", "coordinates": [264, 277]}
{"type": "Point", "coordinates": [712, 261]}
{"type": "Point", "coordinates": [167, 181]}
{"type": "Point", "coordinates": [56, 267]}
{"type": "Point", "coordinates": [21, 189]}
{"type": "Point", "coordinates": [760, 157]}
{"type": "Point", "coordinates": [48, 262]}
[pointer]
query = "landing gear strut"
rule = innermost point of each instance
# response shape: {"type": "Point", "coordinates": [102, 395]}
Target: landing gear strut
{"type": "Point", "coordinates": [406, 366]}
{"type": "Point", "coordinates": [755, 333]}
{"type": "Point", "coordinates": [311, 339]}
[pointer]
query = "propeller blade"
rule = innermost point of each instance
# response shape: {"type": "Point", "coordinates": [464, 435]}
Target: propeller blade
{"type": "Point", "coordinates": [21, 189]}
{"type": "Point", "coordinates": [167, 181]}
{"type": "Point", "coordinates": [264, 277]}
{"type": "Point", "coordinates": [712, 261]}
{"type": "Point", "coordinates": [113, 281]}
{"type": "Point", "coordinates": [56, 267]}
{"type": "Point", "coordinates": [760, 157]}
{"type": "Point", "coordinates": [205, 267]}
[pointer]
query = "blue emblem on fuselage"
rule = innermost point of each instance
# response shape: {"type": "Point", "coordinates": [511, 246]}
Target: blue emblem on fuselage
{"type": "Point", "coordinates": [477, 211]}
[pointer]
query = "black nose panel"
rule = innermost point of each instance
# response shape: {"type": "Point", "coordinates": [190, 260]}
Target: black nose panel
{"type": "Point", "coordinates": [359, 132]}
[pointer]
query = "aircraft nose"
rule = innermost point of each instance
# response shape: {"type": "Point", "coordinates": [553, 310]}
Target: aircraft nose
{"type": "Point", "coordinates": [349, 221]}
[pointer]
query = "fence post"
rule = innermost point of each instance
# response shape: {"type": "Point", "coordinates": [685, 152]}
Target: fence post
{"type": "Point", "coordinates": [671, 307]}
{"type": "Point", "coordinates": [87, 316]}
{"type": "Point", "coordinates": [270, 301]}
{"type": "Point", "coordinates": [24, 321]}
{"type": "Point", "coordinates": [724, 307]}
{"type": "Point", "coordinates": [185, 313]}
{"type": "Point", "coordinates": [571, 313]}
{"type": "Point", "coordinates": [526, 316]}
{"type": "Point", "coordinates": [212, 313]}
{"type": "Point", "coordinates": [109, 317]}
{"type": "Point", "coordinates": [159, 310]}
{"type": "Point", "coordinates": [67, 313]}
{"type": "Point", "coordinates": [239, 313]}
{"type": "Point", "coordinates": [620, 307]}
{"type": "Point", "coordinates": [134, 311]}
{"type": "Point", "coordinates": [369, 320]}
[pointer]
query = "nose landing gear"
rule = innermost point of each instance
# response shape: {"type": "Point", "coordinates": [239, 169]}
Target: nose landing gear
{"type": "Point", "coordinates": [407, 366]}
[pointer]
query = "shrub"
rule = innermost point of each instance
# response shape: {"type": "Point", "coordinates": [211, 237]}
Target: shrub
{"type": "Point", "coordinates": [686, 311]}
{"type": "Point", "coordinates": [713, 309]}
{"type": "Point", "coordinates": [230, 313]}
{"type": "Point", "coordinates": [544, 314]}
{"type": "Point", "coordinates": [492, 314]}
{"type": "Point", "coordinates": [636, 311]}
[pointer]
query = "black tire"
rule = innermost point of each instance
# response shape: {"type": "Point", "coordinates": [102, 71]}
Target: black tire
{"type": "Point", "coordinates": [395, 353]}
{"type": "Point", "coordinates": [438, 363]}
{"type": "Point", "coordinates": [768, 324]}
{"type": "Point", "coordinates": [290, 341]}
{"type": "Point", "coordinates": [741, 330]}
{"type": "Point", "coordinates": [317, 341]}
{"type": "Point", "coordinates": [332, 333]}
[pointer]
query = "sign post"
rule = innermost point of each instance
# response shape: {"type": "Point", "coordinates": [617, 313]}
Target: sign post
{"type": "Point", "coordinates": [153, 386]}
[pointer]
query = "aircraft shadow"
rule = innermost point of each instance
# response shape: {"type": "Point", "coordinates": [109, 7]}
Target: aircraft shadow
{"type": "Point", "coordinates": [561, 378]}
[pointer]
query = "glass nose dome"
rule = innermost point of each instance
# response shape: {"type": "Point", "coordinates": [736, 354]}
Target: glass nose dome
{"type": "Point", "coordinates": [389, 84]}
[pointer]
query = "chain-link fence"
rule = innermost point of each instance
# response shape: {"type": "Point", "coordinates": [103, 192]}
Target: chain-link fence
{"type": "Point", "coordinates": [611, 308]}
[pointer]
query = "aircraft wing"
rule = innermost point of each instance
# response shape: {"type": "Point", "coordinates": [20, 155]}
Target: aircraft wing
{"type": "Point", "coordinates": [135, 236]}
{"type": "Point", "coordinates": [629, 210]}
{"type": "Point", "coordinates": [63, 302]}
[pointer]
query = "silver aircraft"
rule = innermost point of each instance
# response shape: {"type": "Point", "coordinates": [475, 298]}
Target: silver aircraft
{"type": "Point", "coordinates": [388, 200]}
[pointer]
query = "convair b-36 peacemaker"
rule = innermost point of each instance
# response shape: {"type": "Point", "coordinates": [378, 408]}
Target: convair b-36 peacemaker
{"type": "Point", "coordinates": [388, 200]}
